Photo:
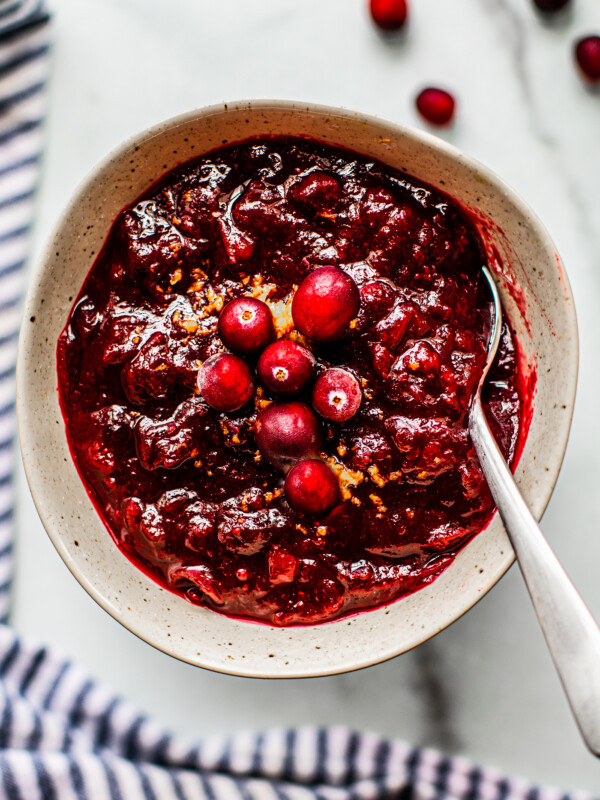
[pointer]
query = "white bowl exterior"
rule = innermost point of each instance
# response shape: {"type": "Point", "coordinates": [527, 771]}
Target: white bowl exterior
{"type": "Point", "coordinates": [536, 295]}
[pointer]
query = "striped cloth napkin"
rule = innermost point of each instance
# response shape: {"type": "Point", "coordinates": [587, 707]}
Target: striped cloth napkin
{"type": "Point", "coordinates": [64, 736]}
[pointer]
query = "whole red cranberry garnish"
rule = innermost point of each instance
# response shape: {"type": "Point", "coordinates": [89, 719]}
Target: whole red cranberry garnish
{"type": "Point", "coordinates": [389, 15]}
{"type": "Point", "coordinates": [336, 395]}
{"type": "Point", "coordinates": [436, 105]}
{"type": "Point", "coordinates": [312, 488]}
{"type": "Point", "coordinates": [587, 54]}
{"type": "Point", "coordinates": [246, 325]}
{"type": "Point", "coordinates": [287, 433]}
{"type": "Point", "coordinates": [286, 367]}
{"type": "Point", "coordinates": [225, 382]}
{"type": "Point", "coordinates": [326, 302]}
{"type": "Point", "coordinates": [551, 5]}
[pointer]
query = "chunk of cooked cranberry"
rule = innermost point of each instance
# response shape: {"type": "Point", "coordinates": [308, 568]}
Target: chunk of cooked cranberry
{"type": "Point", "coordinates": [170, 442]}
{"type": "Point", "coordinates": [392, 329]}
{"type": "Point", "coordinates": [246, 325]}
{"type": "Point", "coordinates": [86, 319]}
{"type": "Point", "coordinates": [312, 488]}
{"type": "Point", "coordinates": [237, 246]}
{"type": "Point", "coordinates": [225, 382]}
{"type": "Point", "coordinates": [382, 358]}
{"type": "Point", "coordinates": [197, 206]}
{"type": "Point", "coordinates": [152, 532]}
{"type": "Point", "coordinates": [282, 565]}
{"type": "Point", "coordinates": [316, 192]}
{"type": "Point", "coordinates": [371, 209]}
{"type": "Point", "coordinates": [287, 433]}
{"type": "Point", "coordinates": [285, 367]}
{"type": "Point", "coordinates": [132, 510]}
{"type": "Point", "coordinates": [376, 299]}
{"type": "Point", "coordinates": [421, 359]}
{"type": "Point", "coordinates": [370, 448]}
{"type": "Point", "coordinates": [151, 374]}
{"type": "Point", "coordinates": [202, 576]}
{"type": "Point", "coordinates": [248, 532]}
{"type": "Point", "coordinates": [155, 247]}
{"type": "Point", "coordinates": [261, 208]}
{"type": "Point", "coordinates": [430, 446]}
{"type": "Point", "coordinates": [436, 106]}
{"type": "Point", "coordinates": [389, 15]}
{"type": "Point", "coordinates": [120, 336]}
{"type": "Point", "coordinates": [325, 303]}
{"type": "Point", "coordinates": [321, 598]}
{"type": "Point", "coordinates": [101, 457]}
{"type": "Point", "coordinates": [336, 394]}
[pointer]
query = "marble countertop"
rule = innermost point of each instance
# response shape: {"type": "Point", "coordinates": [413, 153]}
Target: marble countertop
{"type": "Point", "coordinates": [484, 688]}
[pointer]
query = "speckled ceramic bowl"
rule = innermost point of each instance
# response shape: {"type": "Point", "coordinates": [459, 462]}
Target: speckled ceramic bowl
{"type": "Point", "coordinates": [536, 296]}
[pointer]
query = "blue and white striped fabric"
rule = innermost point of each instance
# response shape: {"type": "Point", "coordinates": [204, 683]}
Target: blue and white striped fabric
{"type": "Point", "coordinates": [64, 736]}
{"type": "Point", "coordinates": [24, 39]}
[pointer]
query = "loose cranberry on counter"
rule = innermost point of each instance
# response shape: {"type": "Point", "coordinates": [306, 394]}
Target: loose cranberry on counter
{"type": "Point", "coordinates": [336, 395]}
{"type": "Point", "coordinates": [312, 488]}
{"type": "Point", "coordinates": [225, 382]}
{"type": "Point", "coordinates": [287, 433]}
{"type": "Point", "coordinates": [436, 106]}
{"type": "Point", "coordinates": [550, 6]}
{"type": "Point", "coordinates": [285, 367]}
{"type": "Point", "coordinates": [587, 55]}
{"type": "Point", "coordinates": [325, 304]}
{"type": "Point", "coordinates": [389, 15]}
{"type": "Point", "coordinates": [246, 325]}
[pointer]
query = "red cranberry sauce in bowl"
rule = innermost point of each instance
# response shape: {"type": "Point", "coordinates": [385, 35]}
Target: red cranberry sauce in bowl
{"type": "Point", "coordinates": [266, 377]}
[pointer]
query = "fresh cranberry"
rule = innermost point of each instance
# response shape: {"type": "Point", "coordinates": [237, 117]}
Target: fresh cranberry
{"type": "Point", "coordinates": [389, 15]}
{"type": "Point", "coordinates": [587, 54]}
{"type": "Point", "coordinates": [286, 367]}
{"type": "Point", "coordinates": [225, 382]}
{"type": "Point", "coordinates": [336, 395]}
{"type": "Point", "coordinates": [287, 433]}
{"type": "Point", "coordinates": [326, 302]}
{"type": "Point", "coordinates": [246, 325]}
{"type": "Point", "coordinates": [551, 5]}
{"type": "Point", "coordinates": [312, 488]}
{"type": "Point", "coordinates": [436, 106]}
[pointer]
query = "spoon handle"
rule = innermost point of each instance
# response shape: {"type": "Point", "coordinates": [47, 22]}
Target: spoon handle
{"type": "Point", "coordinates": [571, 633]}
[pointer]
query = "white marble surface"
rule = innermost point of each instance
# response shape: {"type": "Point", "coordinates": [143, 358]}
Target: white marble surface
{"type": "Point", "coordinates": [484, 688]}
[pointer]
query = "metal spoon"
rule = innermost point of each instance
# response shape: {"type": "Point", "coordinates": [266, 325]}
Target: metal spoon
{"type": "Point", "coordinates": [571, 633]}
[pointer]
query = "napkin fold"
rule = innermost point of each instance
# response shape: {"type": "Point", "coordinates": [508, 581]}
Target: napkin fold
{"type": "Point", "coordinates": [64, 736]}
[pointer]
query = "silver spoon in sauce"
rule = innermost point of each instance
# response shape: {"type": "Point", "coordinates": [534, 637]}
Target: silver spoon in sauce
{"type": "Point", "coordinates": [571, 633]}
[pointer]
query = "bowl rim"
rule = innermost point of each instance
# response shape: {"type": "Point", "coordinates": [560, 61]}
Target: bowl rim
{"type": "Point", "coordinates": [253, 105]}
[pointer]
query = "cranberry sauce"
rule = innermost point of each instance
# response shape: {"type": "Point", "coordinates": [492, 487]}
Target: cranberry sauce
{"type": "Point", "coordinates": [384, 487]}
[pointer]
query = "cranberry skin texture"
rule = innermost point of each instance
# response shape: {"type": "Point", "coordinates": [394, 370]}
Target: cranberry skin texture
{"type": "Point", "coordinates": [336, 395]}
{"type": "Point", "coordinates": [225, 382]}
{"type": "Point", "coordinates": [287, 433]}
{"type": "Point", "coordinates": [436, 106]}
{"type": "Point", "coordinates": [312, 488]}
{"type": "Point", "coordinates": [550, 6]}
{"type": "Point", "coordinates": [325, 304]}
{"type": "Point", "coordinates": [587, 55]}
{"type": "Point", "coordinates": [389, 15]}
{"type": "Point", "coordinates": [286, 367]}
{"type": "Point", "coordinates": [246, 325]}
